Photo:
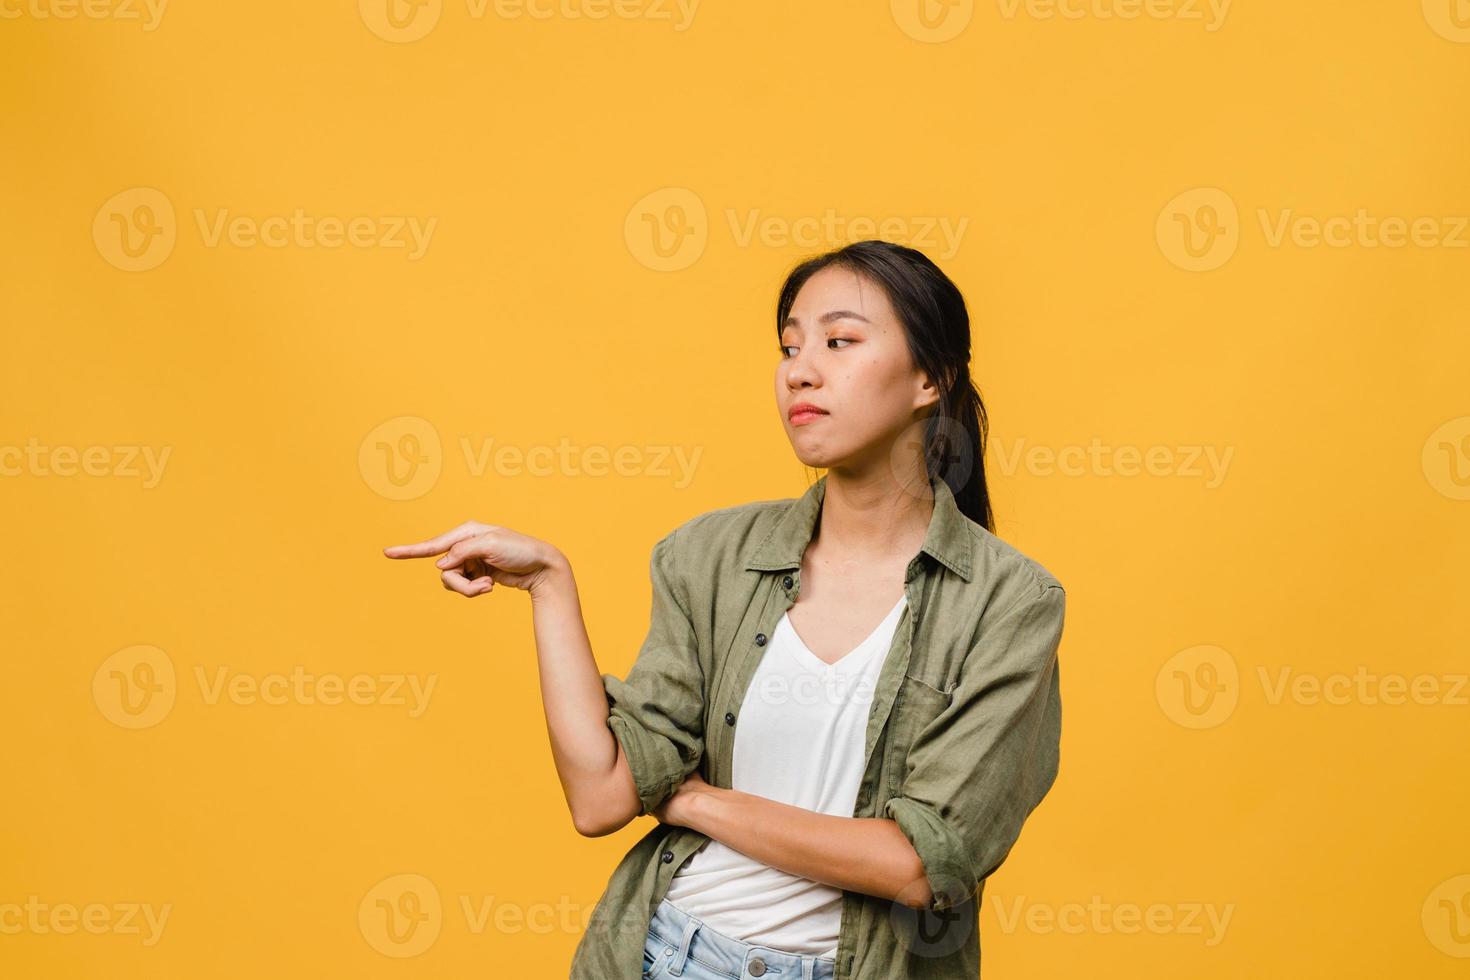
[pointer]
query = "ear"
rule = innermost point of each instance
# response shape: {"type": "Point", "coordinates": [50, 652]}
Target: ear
{"type": "Point", "coordinates": [928, 393]}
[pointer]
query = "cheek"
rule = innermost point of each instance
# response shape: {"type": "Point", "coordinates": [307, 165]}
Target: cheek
{"type": "Point", "coordinates": [875, 383]}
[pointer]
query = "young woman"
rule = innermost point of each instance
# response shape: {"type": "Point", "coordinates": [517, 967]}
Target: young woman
{"type": "Point", "coordinates": [847, 703]}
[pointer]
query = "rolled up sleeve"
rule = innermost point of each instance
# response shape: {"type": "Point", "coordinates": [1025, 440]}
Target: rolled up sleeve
{"type": "Point", "coordinates": [657, 713]}
{"type": "Point", "coordinates": [978, 769]}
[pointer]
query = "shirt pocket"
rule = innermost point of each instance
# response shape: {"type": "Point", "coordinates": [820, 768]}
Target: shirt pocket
{"type": "Point", "coordinates": [916, 705]}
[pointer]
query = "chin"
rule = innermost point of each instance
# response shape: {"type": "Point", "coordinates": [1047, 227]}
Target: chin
{"type": "Point", "coordinates": [815, 457]}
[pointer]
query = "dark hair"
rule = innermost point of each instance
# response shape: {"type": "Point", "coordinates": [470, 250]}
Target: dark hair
{"type": "Point", "coordinates": [934, 317]}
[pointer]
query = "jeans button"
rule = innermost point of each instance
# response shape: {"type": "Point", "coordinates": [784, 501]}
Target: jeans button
{"type": "Point", "coordinates": [757, 967]}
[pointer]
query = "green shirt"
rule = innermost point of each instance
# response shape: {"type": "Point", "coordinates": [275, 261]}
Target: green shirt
{"type": "Point", "coordinates": [962, 735]}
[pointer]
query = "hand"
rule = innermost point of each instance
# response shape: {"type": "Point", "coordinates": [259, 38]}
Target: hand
{"type": "Point", "coordinates": [476, 556]}
{"type": "Point", "coordinates": [678, 809]}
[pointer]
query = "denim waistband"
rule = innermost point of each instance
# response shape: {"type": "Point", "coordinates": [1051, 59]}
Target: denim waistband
{"type": "Point", "coordinates": [691, 938]}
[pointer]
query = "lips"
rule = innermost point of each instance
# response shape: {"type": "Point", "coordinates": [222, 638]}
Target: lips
{"type": "Point", "coordinates": [804, 412]}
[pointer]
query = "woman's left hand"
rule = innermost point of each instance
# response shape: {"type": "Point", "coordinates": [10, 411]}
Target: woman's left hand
{"type": "Point", "coordinates": [678, 808]}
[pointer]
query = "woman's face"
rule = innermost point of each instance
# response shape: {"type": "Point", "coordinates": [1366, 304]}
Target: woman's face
{"type": "Point", "coordinates": [844, 350]}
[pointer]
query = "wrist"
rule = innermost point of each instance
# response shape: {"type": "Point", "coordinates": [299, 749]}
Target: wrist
{"type": "Point", "coordinates": [704, 807]}
{"type": "Point", "coordinates": [555, 576]}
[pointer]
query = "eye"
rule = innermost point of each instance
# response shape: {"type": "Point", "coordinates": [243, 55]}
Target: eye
{"type": "Point", "coordinates": [785, 348]}
{"type": "Point", "coordinates": [838, 340]}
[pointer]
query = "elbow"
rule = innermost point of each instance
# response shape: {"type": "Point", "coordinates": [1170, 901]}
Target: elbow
{"type": "Point", "coordinates": [915, 891]}
{"type": "Point", "coordinates": [917, 894]}
{"type": "Point", "coordinates": [592, 828]}
{"type": "Point", "coordinates": [599, 821]}
{"type": "Point", "coordinates": [942, 875]}
{"type": "Point", "coordinates": [592, 824]}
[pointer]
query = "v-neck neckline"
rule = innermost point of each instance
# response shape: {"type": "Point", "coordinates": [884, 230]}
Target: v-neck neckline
{"type": "Point", "coordinates": [812, 660]}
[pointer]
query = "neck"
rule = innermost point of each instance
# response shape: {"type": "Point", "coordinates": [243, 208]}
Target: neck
{"type": "Point", "coordinates": [868, 517]}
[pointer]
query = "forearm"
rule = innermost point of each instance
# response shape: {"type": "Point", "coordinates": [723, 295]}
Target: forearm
{"type": "Point", "coordinates": [862, 854]}
{"type": "Point", "coordinates": [600, 797]}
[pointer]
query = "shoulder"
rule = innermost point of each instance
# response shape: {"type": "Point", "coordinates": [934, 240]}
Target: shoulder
{"type": "Point", "coordinates": [713, 547]}
{"type": "Point", "coordinates": [1002, 559]}
{"type": "Point", "coordinates": [1006, 579]}
{"type": "Point", "coordinates": [726, 532]}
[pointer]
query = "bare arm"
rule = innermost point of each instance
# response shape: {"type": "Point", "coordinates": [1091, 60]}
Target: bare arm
{"type": "Point", "coordinates": [595, 776]}
{"type": "Point", "coordinates": [870, 855]}
{"type": "Point", "coordinates": [594, 773]}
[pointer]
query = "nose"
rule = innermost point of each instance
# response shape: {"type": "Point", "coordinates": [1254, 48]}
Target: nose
{"type": "Point", "coordinates": [801, 372]}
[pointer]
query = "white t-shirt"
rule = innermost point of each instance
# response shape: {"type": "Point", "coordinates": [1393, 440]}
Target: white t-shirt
{"type": "Point", "coordinates": [800, 741]}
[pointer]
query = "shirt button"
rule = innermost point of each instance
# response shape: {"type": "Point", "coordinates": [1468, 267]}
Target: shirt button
{"type": "Point", "coordinates": [757, 967]}
{"type": "Point", "coordinates": [760, 639]}
{"type": "Point", "coordinates": [786, 581]}
{"type": "Point", "coordinates": [668, 856]}
{"type": "Point", "coordinates": [729, 718]}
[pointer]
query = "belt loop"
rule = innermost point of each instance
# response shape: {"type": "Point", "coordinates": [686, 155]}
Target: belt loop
{"type": "Point", "coordinates": [691, 924]}
{"type": "Point", "coordinates": [808, 966]}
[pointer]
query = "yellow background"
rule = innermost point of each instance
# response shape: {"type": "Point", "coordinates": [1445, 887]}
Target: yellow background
{"type": "Point", "coordinates": [1332, 835]}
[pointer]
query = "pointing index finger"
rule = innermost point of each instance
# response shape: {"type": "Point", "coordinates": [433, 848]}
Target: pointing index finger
{"type": "Point", "coordinates": [433, 546]}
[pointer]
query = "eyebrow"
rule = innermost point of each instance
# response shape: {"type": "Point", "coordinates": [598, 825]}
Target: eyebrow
{"type": "Point", "coordinates": [825, 318]}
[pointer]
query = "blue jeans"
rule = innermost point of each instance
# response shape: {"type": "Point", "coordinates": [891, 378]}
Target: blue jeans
{"type": "Point", "coordinates": [681, 945]}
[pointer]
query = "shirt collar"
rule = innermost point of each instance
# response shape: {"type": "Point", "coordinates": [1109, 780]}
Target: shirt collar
{"type": "Point", "coordinates": [948, 539]}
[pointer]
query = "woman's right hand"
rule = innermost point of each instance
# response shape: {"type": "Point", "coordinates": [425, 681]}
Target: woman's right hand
{"type": "Point", "coordinates": [477, 556]}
